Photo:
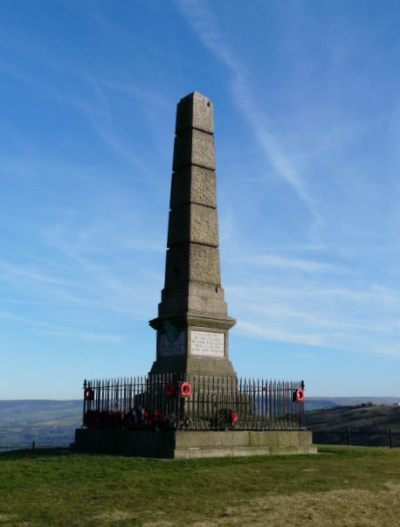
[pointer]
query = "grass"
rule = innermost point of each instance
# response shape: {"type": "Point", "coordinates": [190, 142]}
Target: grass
{"type": "Point", "coordinates": [340, 486]}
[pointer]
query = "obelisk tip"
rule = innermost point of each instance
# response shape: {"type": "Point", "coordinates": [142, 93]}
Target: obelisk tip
{"type": "Point", "coordinates": [195, 111]}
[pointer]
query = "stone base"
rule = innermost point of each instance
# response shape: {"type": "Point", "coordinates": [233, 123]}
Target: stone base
{"type": "Point", "coordinates": [192, 444]}
{"type": "Point", "coordinates": [204, 366]}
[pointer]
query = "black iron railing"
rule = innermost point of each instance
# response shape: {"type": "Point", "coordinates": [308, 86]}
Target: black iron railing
{"type": "Point", "coordinates": [389, 437]}
{"type": "Point", "coordinates": [171, 401]}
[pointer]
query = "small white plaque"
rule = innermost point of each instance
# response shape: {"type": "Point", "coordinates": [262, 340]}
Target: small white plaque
{"type": "Point", "coordinates": [208, 344]}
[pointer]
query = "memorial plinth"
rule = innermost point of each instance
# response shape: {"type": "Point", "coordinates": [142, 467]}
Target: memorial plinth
{"type": "Point", "coordinates": [191, 404]}
{"type": "Point", "coordinates": [178, 444]}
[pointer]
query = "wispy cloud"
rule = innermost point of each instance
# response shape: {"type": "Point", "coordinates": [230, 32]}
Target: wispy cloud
{"type": "Point", "coordinates": [349, 318]}
{"type": "Point", "coordinates": [279, 261]}
{"type": "Point", "coordinates": [102, 118]}
{"type": "Point", "coordinates": [252, 329]}
{"type": "Point", "coordinates": [30, 274]}
{"type": "Point", "coordinates": [95, 106]}
{"type": "Point", "coordinates": [106, 283]}
{"type": "Point", "coordinates": [83, 266]}
{"type": "Point", "coordinates": [199, 16]}
{"type": "Point", "coordinates": [61, 331]}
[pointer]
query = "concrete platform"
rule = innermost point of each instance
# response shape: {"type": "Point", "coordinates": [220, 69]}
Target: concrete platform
{"type": "Point", "coordinates": [192, 444]}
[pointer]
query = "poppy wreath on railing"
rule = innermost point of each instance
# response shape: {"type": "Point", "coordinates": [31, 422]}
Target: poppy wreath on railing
{"type": "Point", "coordinates": [234, 418]}
{"type": "Point", "coordinates": [226, 419]}
{"type": "Point", "coordinates": [89, 394]}
{"type": "Point", "coordinates": [298, 396]}
{"type": "Point", "coordinates": [185, 389]}
{"type": "Point", "coordinates": [170, 389]}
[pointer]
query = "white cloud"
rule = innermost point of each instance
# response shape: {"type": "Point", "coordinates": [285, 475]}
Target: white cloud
{"type": "Point", "coordinates": [284, 262]}
{"type": "Point", "coordinates": [61, 331]}
{"type": "Point", "coordinates": [199, 16]}
{"type": "Point", "coordinates": [344, 318]}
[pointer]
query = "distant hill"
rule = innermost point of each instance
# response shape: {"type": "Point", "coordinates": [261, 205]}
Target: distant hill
{"type": "Point", "coordinates": [313, 403]}
{"type": "Point", "coordinates": [364, 416]}
{"type": "Point", "coordinates": [52, 423]}
{"type": "Point", "coordinates": [365, 424]}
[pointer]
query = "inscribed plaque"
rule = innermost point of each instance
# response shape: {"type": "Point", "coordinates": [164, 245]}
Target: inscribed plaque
{"type": "Point", "coordinates": [208, 344]}
{"type": "Point", "coordinates": [168, 347]}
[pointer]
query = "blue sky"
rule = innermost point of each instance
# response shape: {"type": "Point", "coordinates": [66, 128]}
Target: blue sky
{"type": "Point", "coordinates": [307, 106]}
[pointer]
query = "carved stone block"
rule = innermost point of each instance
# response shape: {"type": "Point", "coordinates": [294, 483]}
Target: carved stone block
{"type": "Point", "coordinates": [177, 265]}
{"type": "Point", "coordinates": [193, 184]}
{"type": "Point", "coordinates": [204, 264]}
{"type": "Point", "coordinates": [193, 147]}
{"type": "Point", "coordinates": [195, 111]}
{"type": "Point", "coordinates": [193, 223]}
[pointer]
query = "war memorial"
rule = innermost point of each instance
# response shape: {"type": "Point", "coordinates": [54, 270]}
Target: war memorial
{"type": "Point", "coordinates": [192, 403]}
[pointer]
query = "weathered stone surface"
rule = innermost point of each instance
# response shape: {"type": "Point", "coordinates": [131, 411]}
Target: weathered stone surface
{"type": "Point", "coordinates": [193, 223]}
{"type": "Point", "coordinates": [195, 111]}
{"type": "Point", "coordinates": [203, 299]}
{"type": "Point", "coordinates": [204, 264]}
{"type": "Point", "coordinates": [187, 444]}
{"type": "Point", "coordinates": [194, 262]}
{"type": "Point", "coordinates": [179, 226]}
{"type": "Point", "coordinates": [177, 266]}
{"type": "Point", "coordinates": [194, 147]}
{"type": "Point", "coordinates": [203, 225]}
{"type": "Point", "coordinates": [193, 184]}
{"type": "Point", "coordinates": [219, 367]}
{"type": "Point", "coordinates": [207, 299]}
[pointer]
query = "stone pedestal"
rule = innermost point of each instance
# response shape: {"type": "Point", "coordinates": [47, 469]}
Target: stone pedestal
{"type": "Point", "coordinates": [192, 340]}
{"type": "Point", "coordinates": [186, 444]}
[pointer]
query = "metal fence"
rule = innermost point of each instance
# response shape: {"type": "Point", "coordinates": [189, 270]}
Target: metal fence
{"type": "Point", "coordinates": [33, 446]}
{"type": "Point", "coordinates": [172, 401]}
{"type": "Point", "coordinates": [358, 437]}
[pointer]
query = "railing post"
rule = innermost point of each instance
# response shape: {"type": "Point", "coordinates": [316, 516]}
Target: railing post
{"type": "Point", "coordinates": [84, 401]}
{"type": "Point", "coordinates": [390, 438]}
{"type": "Point", "coordinates": [348, 436]}
{"type": "Point", "coordinates": [303, 387]}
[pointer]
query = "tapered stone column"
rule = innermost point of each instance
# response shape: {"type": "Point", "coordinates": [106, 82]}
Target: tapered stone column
{"type": "Point", "coordinates": [192, 337]}
{"type": "Point", "coordinates": [192, 324]}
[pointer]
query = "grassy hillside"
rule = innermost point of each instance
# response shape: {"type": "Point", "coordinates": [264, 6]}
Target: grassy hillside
{"type": "Point", "coordinates": [32, 411]}
{"type": "Point", "coordinates": [46, 422]}
{"type": "Point", "coordinates": [314, 403]}
{"type": "Point", "coordinates": [339, 486]}
{"type": "Point", "coordinates": [362, 417]}
{"type": "Point", "coordinates": [368, 424]}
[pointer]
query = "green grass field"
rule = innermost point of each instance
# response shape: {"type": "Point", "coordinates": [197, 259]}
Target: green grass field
{"type": "Point", "coordinates": [339, 486]}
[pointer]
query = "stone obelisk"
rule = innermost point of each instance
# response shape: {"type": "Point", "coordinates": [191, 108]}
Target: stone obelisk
{"type": "Point", "coordinates": [192, 324]}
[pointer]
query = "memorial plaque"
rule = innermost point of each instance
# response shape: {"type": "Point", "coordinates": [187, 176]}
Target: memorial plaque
{"type": "Point", "coordinates": [208, 344]}
{"type": "Point", "coordinates": [168, 347]}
